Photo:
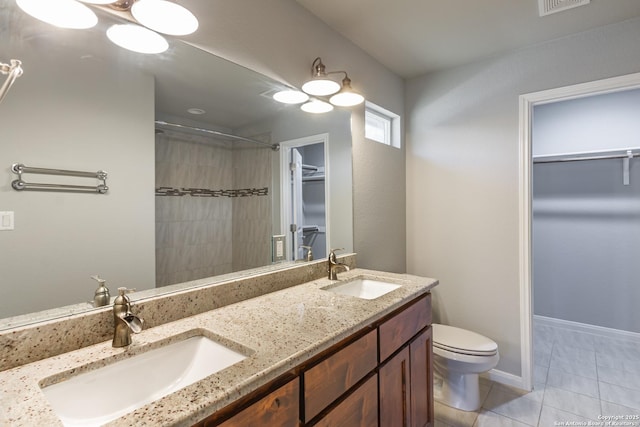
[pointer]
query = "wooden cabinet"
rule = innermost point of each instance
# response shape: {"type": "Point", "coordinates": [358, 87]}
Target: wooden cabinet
{"type": "Point", "coordinates": [380, 376]}
{"type": "Point", "coordinates": [335, 375]}
{"type": "Point", "coordinates": [421, 359]}
{"type": "Point", "coordinates": [278, 408]}
{"type": "Point", "coordinates": [399, 329]}
{"type": "Point", "coordinates": [395, 410]}
{"type": "Point", "coordinates": [406, 379]}
{"type": "Point", "coordinates": [360, 409]}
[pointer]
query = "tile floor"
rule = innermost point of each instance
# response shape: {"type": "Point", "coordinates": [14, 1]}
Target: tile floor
{"type": "Point", "coordinates": [578, 378]}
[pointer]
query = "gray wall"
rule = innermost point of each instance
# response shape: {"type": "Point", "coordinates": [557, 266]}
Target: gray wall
{"type": "Point", "coordinates": [380, 228]}
{"type": "Point", "coordinates": [462, 173]}
{"type": "Point", "coordinates": [586, 228]}
{"type": "Point", "coordinates": [98, 119]}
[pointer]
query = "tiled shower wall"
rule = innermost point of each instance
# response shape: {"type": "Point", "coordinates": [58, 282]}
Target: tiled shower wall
{"type": "Point", "coordinates": [251, 215]}
{"type": "Point", "coordinates": [198, 237]}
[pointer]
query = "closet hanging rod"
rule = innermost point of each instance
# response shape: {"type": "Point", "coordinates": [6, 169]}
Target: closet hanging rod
{"type": "Point", "coordinates": [581, 158]}
{"type": "Point", "coordinates": [274, 147]}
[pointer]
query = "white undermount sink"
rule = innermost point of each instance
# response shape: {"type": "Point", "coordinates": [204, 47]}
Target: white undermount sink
{"type": "Point", "coordinates": [97, 397]}
{"type": "Point", "coordinates": [363, 288]}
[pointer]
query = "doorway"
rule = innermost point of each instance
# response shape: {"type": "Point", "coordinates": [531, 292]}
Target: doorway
{"type": "Point", "coordinates": [304, 171]}
{"type": "Point", "coordinates": [527, 104]}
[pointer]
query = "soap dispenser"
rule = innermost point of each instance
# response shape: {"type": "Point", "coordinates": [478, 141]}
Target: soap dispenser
{"type": "Point", "coordinates": [101, 297]}
{"type": "Point", "coordinates": [309, 252]}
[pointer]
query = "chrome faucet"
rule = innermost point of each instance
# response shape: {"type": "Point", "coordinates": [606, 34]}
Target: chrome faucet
{"type": "Point", "coordinates": [334, 265]}
{"type": "Point", "coordinates": [125, 322]}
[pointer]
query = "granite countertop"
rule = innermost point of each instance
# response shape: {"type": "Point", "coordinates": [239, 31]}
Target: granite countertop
{"type": "Point", "coordinates": [279, 330]}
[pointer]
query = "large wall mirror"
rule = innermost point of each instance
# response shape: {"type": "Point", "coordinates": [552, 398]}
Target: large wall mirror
{"type": "Point", "coordinates": [185, 207]}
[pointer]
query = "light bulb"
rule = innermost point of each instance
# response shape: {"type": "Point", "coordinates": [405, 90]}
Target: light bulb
{"type": "Point", "coordinates": [60, 13]}
{"type": "Point", "coordinates": [346, 99]}
{"type": "Point", "coordinates": [321, 87]}
{"type": "Point", "coordinates": [165, 17]}
{"type": "Point", "coordinates": [136, 38]}
{"type": "Point", "coordinates": [98, 1]}
{"type": "Point", "coordinates": [291, 96]}
{"type": "Point", "coordinates": [316, 107]}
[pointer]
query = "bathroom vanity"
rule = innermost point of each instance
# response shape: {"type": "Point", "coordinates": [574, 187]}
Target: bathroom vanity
{"type": "Point", "coordinates": [384, 368]}
{"type": "Point", "coordinates": [311, 356]}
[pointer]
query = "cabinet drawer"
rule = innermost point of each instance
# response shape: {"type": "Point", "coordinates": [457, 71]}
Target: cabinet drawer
{"type": "Point", "coordinates": [360, 409]}
{"type": "Point", "coordinates": [336, 374]}
{"type": "Point", "coordinates": [395, 332]}
{"type": "Point", "coordinates": [279, 408]}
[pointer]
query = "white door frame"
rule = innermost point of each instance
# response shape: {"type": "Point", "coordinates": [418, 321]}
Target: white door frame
{"type": "Point", "coordinates": [285, 192]}
{"type": "Point", "coordinates": [527, 102]}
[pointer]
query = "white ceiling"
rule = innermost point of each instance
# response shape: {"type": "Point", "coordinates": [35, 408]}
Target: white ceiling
{"type": "Point", "coordinates": [414, 37]}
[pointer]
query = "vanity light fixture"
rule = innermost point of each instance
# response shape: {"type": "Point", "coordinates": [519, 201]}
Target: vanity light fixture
{"type": "Point", "coordinates": [316, 106]}
{"type": "Point", "coordinates": [161, 16]}
{"type": "Point", "coordinates": [320, 83]}
{"type": "Point", "coordinates": [136, 38]}
{"type": "Point", "coordinates": [291, 96]}
{"type": "Point", "coordinates": [60, 13]}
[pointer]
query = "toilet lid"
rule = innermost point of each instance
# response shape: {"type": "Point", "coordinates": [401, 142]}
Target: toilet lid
{"type": "Point", "coordinates": [462, 341]}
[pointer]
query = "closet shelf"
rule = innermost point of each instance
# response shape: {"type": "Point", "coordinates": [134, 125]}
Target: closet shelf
{"type": "Point", "coordinates": [588, 155]}
{"type": "Point", "coordinates": [625, 154]}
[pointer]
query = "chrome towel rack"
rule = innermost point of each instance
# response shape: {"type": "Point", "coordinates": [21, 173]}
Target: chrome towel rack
{"type": "Point", "coordinates": [20, 185]}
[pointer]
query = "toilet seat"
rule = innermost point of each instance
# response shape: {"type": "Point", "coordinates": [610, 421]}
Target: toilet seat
{"type": "Point", "coordinates": [463, 342]}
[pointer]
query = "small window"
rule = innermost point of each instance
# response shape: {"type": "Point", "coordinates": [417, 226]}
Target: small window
{"type": "Point", "coordinates": [381, 125]}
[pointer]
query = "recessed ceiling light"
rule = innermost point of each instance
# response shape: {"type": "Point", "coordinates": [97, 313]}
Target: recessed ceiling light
{"type": "Point", "coordinates": [165, 17]}
{"type": "Point", "coordinates": [61, 13]}
{"type": "Point", "coordinates": [316, 107]}
{"type": "Point", "coordinates": [196, 111]}
{"type": "Point", "coordinates": [137, 38]}
{"type": "Point", "coordinates": [291, 96]}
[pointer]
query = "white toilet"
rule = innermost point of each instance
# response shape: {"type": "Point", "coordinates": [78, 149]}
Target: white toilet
{"type": "Point", "coordinates": [459, 356]}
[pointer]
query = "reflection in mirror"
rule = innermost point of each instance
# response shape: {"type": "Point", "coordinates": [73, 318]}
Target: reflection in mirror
{"type": "Point", "coordinates": [86, 104]}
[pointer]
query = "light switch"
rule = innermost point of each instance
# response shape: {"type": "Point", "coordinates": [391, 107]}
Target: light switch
{"type": "Point", "coordinates": [6, 220]}
{"type": "Point", "coordinates": [277, 252]}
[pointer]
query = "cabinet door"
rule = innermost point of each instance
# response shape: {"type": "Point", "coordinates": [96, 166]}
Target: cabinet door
{"type": "Point", "coordinates": [360, 409]}
{"type": "Point", "coordinates": [420, 351]}
{"type": "Point", "coordinates": [395, 390]}
{"type": "Point", "coordinates": [331, 378]}
{"type": "Point", "coordinates": [277, 409]}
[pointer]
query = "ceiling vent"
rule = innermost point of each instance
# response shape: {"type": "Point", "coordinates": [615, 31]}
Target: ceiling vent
{"type": "Point", "coordinates": [547, 7]}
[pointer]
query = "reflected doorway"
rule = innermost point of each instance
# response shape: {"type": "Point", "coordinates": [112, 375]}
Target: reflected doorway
{"type": "Point", "coordinates": [304, 191]}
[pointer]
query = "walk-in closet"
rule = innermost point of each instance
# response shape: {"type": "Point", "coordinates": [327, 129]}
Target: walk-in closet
{"type": "Point", "coordinates": [586, 213]}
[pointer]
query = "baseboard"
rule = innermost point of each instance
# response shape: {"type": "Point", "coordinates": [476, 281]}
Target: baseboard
{"type": "Point", "coordinates": [505, 378]}
{"type": "Point", "coordinates": [590, 329]}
